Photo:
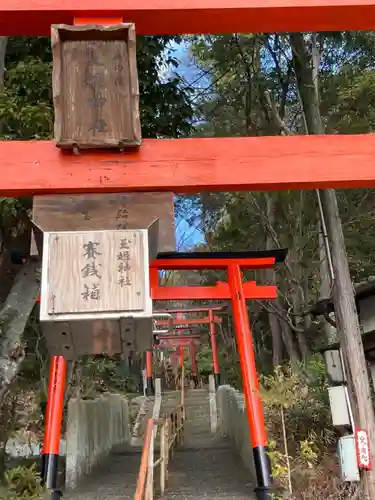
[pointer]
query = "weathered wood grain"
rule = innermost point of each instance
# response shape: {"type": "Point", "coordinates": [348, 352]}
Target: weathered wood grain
{"type": "Point", "coordinates": [95, 87]}
{"type": "Point", "coordinates": [109, 211]}
{"type": "Point", "coordinates": [96, 272]}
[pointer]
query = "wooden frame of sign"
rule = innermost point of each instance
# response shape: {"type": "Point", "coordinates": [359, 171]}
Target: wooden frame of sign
{"type": "Point", "coordinates": [95, 293]}
{"type": "Point", "coordinates": [106, 211]}
{"type": "Point", "coordinates": [95, 86]}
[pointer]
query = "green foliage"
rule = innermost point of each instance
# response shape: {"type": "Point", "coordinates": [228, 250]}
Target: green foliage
{"type": "Point", "coordinates": [248, 87]}
{"type": "Point", "coordinates": [26, 106]}
{"type": "Point", "coordinates": [23, 483]}
{"type": "Point", "coordinates": [297, 416]}
{"type": "Point", "coordinates": [303, 396]}
{"type": "Point", "coordinates": [26, 109]}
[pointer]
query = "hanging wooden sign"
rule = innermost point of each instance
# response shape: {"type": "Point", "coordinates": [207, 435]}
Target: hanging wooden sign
{"type": "Point", "coordinates": [95, 87]}
{"type": "Point", "coordinates": [95, 295]}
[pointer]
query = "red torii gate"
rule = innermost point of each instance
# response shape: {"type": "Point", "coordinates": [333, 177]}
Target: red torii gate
{"type": "Point", "coordinates": [210, 320]}
{"type": "Point", "coordinates": [182, 341]}
{"type": "Point", "coordinates": [191, 165]}
{"type": "Point", "coordinates": [238, 292]}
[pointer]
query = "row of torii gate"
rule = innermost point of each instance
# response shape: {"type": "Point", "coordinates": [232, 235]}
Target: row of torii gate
{"type": "Point", "coordinates": [234, 290]}
{"type": "Point", "coordinates": [169, 335]}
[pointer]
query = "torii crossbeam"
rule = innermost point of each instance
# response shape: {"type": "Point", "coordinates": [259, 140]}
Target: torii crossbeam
{"type": "Point", "coordinates": [191, 165]}
{"type": "Point", "coordinates": [163, 17]}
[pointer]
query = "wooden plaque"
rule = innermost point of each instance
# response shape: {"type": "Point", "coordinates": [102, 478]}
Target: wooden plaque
{"type": "Point", "coordinates": [109, 211]}
{"type": "Point", "coordinates": [95, 272]}
{"type": "Point", "coordinates": [95, 86]}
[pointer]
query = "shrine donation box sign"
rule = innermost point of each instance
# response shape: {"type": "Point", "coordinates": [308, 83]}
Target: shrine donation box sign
{"type": "Point", "coordinates": [95, 296]}
{"type": "Point", "coordinates": [95, 86]}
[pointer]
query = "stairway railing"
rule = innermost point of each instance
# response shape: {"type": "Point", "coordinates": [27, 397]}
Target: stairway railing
{"type": "Point", "coordinates": [171, 435]}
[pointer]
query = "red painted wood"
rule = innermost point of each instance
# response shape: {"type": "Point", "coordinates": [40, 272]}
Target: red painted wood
{"type": "Point", "coordinates": [245, 347]}
{"type": "Point", "coordinates": [188, 328]}
{"type": "Point", "coordinates": [178, 338]}
{"type": "Point", "coordinates": [219, 292]}
{"type": "Point", "coordinates": [178, 341]}
{"type": "Point", "coordinates": [55, 405]}
{"type": "Point", "coordinates": [193, 357]}
{"type": "Point", "coordinates": [185, 264]}
{"type": "Point", "coordinates": [149, 364]}
{"type": "Point", "coordinates": [192, 165]}
{"type": "Point", "coordinates": [192, 310]}
{"type": "Point", "coordinates": [215, 358]}
{"type": "Point", "coordinates": [34, 17]}
{"type": "Point", "coordinates": [189, 321]}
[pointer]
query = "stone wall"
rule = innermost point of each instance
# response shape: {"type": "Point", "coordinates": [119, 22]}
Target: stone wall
{"type": "Point", "coordinates": [213, 403]}
{"type": "Point", "coordinates": [232, 423]}
{"type": "Point", "coordinates": [94, 427]}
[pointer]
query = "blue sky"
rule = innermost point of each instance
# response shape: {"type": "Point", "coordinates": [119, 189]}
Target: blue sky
{"type": "Point", "coordinates": [187, 235]}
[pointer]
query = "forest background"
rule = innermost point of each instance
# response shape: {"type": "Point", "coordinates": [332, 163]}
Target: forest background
{"type": "Point", "coordinates": [237, 85]}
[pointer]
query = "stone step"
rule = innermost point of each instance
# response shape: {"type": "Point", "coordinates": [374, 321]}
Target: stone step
{"type": "Point", "coordinates": [197, 432]}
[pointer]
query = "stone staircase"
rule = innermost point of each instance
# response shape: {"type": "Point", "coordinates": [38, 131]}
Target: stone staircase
{"type": "Point", "coordinates": [197, 410]}
{"type": "Point", "coordinates": [197, 424]}
{"type": "Point", "coordinates": [203, 466]}
{"type": "Point", "coordinates": [170, 400]}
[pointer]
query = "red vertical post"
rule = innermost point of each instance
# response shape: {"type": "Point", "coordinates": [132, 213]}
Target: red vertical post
{"type": "Point", "coordinates": [250, 382]}
{"type": "Point", "coordinates": [54, 415]}
{"type": "Point", "coordinates": [194, 366]}
{"type": "Point", "coordinates": [182, 352]}
{"type": "Point", "coordinates": [149, 381]}
{"type": "Point", "coordinates": [215, 359]}
{"type": "Point", "coordinates": [182, 357]}
{"type": "Point", "coordinates": [47, 419]}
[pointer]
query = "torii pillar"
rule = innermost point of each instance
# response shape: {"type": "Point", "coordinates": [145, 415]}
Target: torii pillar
{"type": "Point", "coordinates": [215, 358]}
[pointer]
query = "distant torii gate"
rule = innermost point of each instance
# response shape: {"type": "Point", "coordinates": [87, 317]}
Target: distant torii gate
{"type": "Point", "coordinates": [189, 341]}
{"type": "Point", "coordinates": [210, 320]}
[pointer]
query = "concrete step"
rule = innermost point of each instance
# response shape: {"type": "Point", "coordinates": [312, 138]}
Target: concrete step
{"type": "Point", "coordinates": [197, 430]}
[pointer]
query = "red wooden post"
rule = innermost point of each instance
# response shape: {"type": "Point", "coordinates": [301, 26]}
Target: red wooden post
{"type": "Point", "coordinates": [47, 419]}
{"type": "Point", "coordinates": [182, 352]}
{"type": "Point", "coordinates": [250, 382]}
{"type": "Point", "coordinates": [149, 381]}
{"type": "Point", "coordinates": [54, 414]}
{"type": "Point", "coordinates": [215, 359]}
{"type": "Point", "coordinates": [182, 356]}
{"type": "Point", "coordinates": [194, 366]}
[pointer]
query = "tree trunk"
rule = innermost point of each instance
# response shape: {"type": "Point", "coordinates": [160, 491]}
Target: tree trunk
{"type": "Point", "coordinates": [343, 293]}
{"type": "Point", "coordinates": [280, 330]}
{"type": "Point", "coordinates": [3, 46]}
{"type": "Point", "coordinates": [349, 331]}
{"type": "Point", "coordinates": [274, 322]}
{"type": "Point", "coordinates": [13, 319]}
{"type": "Point", "coordinates": [325, 287]}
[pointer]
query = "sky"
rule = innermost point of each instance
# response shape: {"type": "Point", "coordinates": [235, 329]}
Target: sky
{"type": "Point", "coordinates": [187, 235]}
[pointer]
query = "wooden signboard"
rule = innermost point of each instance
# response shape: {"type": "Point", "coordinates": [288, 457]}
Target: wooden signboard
{"type": "Point", "coordinates": [92, 283]}
{"type": "Point", "coordinates": [95, 87]}
{"type": "Point", "coordinates": [96, 272]}
{"type": "Point", "coordinates": [110, 211]}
